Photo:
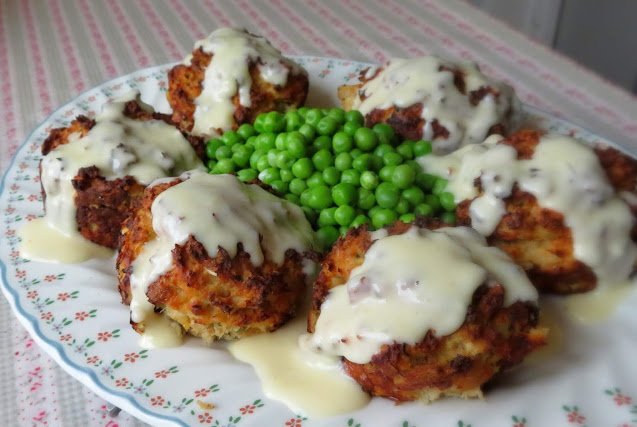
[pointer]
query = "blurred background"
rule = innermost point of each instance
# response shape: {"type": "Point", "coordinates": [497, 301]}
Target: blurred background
{"type": "Point", "coordinates": [600, 34]}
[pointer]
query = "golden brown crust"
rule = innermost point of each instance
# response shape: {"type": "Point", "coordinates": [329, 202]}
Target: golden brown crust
{"type": "Point", "coordinates": [185, 85]}
{"type": "Point", "coordinates": [492, 338]}
{"type": "Point", "coordinates": [537, 238]}
{"type": "Point", "coordinates": [213, 298]}
{"type": "Point", "coordinates": [102, 205]}
{"type": "Point", "coordinates": [408, 122]}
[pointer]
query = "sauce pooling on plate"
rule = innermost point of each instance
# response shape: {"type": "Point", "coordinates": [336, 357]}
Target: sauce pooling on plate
{"type": "Point", "coordinates": [219, 211]}
{"type": "Point", "coordinates": [118, 146]}
{"type": "Point", "coordinates": [467, 112]}
{"type": "Point", "coordinates": [564, 175]}
{"type": "Point", "coordinates": [228, 74]}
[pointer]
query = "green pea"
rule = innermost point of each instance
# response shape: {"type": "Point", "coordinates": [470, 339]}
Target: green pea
{"type": "Point", "coordinates": [387, 195]}
{"type": "Point", "coordinates": [313, 116]}
{"type": "Point", "coordinates": [256, 155]}
{"type": "Point", "coordinates": [344, 194]}
{"type": "Point", "coordinates": [241, 157]}
{"type": "Point", "coordinates": [305, 197]}
{"type": "Point", "coordinates": [250, 141]}
{"type": "Point", "coordinates": [274, 122]}
{"type": "Point", "coordinates": [258, 123]}
{"type": "Point", "coordinates": [414, 195]}
{"type": "Point", "coordinates": [295, 144]}
{"type": "Point", "coordinates": [405, 150]}
{"type": "Point", "coordinates": [366, 199]}
{"type": "Point", "coordinates": [331, 175]}
{"type": "Point", "coordinates": [350, 128]}
{"type": "Point", "coordinates": [369, 180]}
{"type": "Point", "coordinates": [365, 139]}
{"type": "Point", "coordinates": [392, 159]}
{"type": "Point", "coordinates": [447, 201]}
{"type": "Point", "coordinates": [403, 176]}
{"type": "Point", "coordinates": [344, 215]}
{"type": "Point", "coordinates": [326, 217]}
{"type": "Point", "coordinates": [297, 186]}
{"type": "Point", "coordinates": [302, 111]}
{"type": "Point", "coordinates": [293, 120]}
{"type": "Point", "coordinates": [211, 147]}
{"type": "Point", "coordinates": [269, 175]}
{"type": "Point", "coordinates": [355, 116]}
{"type": "Point", "coordinates": [307, 131]}
{"type": "Point", "coordinates": [303, 168]}
{"type": "Point", "coordinates": [386, 173]}
{"type": "Point", "coordinates": [356, 152]}
{"type": "Point", "coordinates": [279, 186]}
{"type": "Point", "coordinates": [279, 141]}
{"type": "Point", "coordinates": [337, 114]}
{"type": "Point", "coordinates": [351, 176]}
{"type": "Point", "coordinates": [225, 166]}
{"type": "Point", "coordinates": [422, 148]}
{"type": "Point", "coordinates": [407, 218]}
{"type": "Point", "coordinates": [272, 157]}
{"type": "Point", "coordinates": [439, 186]}
{"type": "Point", "coordinates": [385, 133]}
{"type": "Point", "coordinates": [315, 180]}
{"type": "Point", "coordinates": [373, 210]}
{"type": "Point", "coordinates": [265, 142]}
{"type": "Point", "coordinates": [322, 159]}
{"type": "Point", "coordinates": [414, 165]}
{"type": "Point", "coordinates": [211, 164]}
{"type": "Point", "coordinates": [424, 209]}
{"type": "Point", "coordinates": [230, 138]}
{"type": "Point", "coordinates": [402, 207]}
{"type": "Point", "coordinates": [383, 217]}
{"type": "Point", "coordinates": [284, 160]}
{"type": "Point", "coordinates": [236, 147]}
{"type": "Point", "coordinates": [383, 149]}
{"type": "Point", "coordinates": [326, 126]}
{"type": "Point", "coordinates": [320, 197]}
{"type": "Point", "coordinates": [286, 175]}
{"type": "Point", "coordinates": [343, 161]}
{"type": "Point", "coordinates": [246, 175]}
{"type": "Point", "coordinates": [223, 152]}
{"type": "Point", "coordinates": [293, 198]}
{"type": "Point", "coordinates": [362, 162]}
{"type": "Point", "coordinates": [425, 181]}
{"type": "Point", "coordinates": [327, 236]}
{"type": "Point", "coordinates": [448, 217]}
{"type": "Point", "coordinates": [433, 201]}
{"type": "Point", "coordinates": [322, 143]}
{"type": "Point", "coordinates": [245, 131]}
{"type": "Point", "coordinates": [359, 220]}
{"type": "Point", "coordinates": [342, 142]}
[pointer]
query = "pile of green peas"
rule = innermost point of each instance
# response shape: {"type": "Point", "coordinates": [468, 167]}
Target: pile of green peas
{"type": "Point", "coordinates": [341, 173]}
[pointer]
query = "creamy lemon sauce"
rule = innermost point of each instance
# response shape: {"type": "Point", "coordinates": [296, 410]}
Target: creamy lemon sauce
{"type": "Point", "coordinates": [564, 175]}
{"type": "Point", "coordinates": [405, 82]}
{"type": "Point", "coordinates": [228, 75]}
{"type": "Point", "coordinates": [409, 284]}
{"type": "Point", "coordinates": [307, 382]}
{"type": "Point", "coordinates": [219, 212]}
{"type": "Point", "coordinates": [118, 146]}
{"type": "Point", "coordinates": [599, 304]}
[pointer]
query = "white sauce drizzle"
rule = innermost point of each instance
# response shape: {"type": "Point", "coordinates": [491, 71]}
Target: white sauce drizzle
{"type": "Point", "coordinates": [405, 82]}
{"type": "Point", "coordinates": [564, 175]}
{"type": "Point", "coordinates": [228, 74]}
{"type": "Point", "coordinates": [218, 211]}
{"type": "Point", "coordinates": [421, 280]}
{"type": "Point", "coordinates": [117, 146]}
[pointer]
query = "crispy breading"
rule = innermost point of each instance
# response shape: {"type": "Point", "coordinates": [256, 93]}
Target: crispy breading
{"type": "Point", "coordinates": [408, 122]}
{"type": "Point", "coordinates": [185, 85]}
{"type": "Point", "coordinates": [492, 338]}
{"type": "Point", "coordinates": [103, 204]}
{"type": "Point", "coordinates": [537, 238]}
{"type": "Point", "coordinates": [213, 298]}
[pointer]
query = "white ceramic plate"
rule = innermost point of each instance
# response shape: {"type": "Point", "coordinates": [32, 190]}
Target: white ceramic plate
{"type": "Point", "coordinates": [74, 313]}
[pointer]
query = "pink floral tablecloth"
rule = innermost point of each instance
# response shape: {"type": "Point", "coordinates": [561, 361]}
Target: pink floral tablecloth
{"type": "Point", "coordinates": [52, 50]}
